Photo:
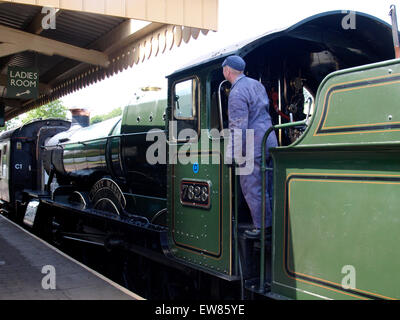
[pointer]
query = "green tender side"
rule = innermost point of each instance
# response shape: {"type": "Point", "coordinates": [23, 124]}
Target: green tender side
{"type": "Point", "coordinates": [336, 208]}
{"type": "Point", "coordinates": [358, 105]}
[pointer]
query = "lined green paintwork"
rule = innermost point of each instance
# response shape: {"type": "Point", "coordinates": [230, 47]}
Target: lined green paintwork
{"type": "Point", "coordinates": [336, 194]}
{"type": "Point", "coordinates": [360, 104]}
{"type": "Point", "coordinates": [148, 112]}
{"type": "Point", "coordinates": [337, 217]}
{"type": "Point", "coordinates": [198, 236]}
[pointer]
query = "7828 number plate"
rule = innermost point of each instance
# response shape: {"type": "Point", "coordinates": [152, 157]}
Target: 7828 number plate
{"type": "Point", "coordinates": [195, 193]}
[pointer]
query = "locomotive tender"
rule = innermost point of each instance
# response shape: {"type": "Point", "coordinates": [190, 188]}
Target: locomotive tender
{"type": "Point", "coordinates": [336, 172]}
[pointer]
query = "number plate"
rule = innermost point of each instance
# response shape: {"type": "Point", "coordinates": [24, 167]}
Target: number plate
{"type": "Point", "coordinates": [30, 213]}
{"type": "Point", "coordinates": [195, 194]}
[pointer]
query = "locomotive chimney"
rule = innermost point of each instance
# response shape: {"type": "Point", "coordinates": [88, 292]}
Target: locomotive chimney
{"type": "Point", "coordinates": [80, 116]}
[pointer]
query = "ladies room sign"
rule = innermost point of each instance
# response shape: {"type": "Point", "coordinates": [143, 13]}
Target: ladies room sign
{"type": "Point", "coordinates": [22, 83]}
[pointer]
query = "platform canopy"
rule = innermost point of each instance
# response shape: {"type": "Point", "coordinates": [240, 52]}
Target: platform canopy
{"type": "Point", "coordinates": [69, 45]}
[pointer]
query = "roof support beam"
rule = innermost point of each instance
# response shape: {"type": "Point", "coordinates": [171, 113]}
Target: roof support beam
{"type": "Point", "coordinates": [201, 14]}
{"type": "Point", "coordinates": [32, 42]}
{"type": "Point", "coordinates": [10, 48]}
{"type": "Point", "coordinates": [126, 33]}
{"type": "Point", "coordinates": [34, 27]}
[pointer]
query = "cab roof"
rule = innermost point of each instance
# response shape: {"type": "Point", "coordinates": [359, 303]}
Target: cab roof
{"type": "Point", "coordinates": [372, 38]}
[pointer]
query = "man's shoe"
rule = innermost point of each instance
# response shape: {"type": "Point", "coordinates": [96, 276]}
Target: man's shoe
{"type": "Point", "coordinates": [253, 233]}
{"type": "Point", "coordinates": [256, 233]}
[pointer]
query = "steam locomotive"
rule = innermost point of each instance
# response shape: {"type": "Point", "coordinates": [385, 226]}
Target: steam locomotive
{"type": "Point", "coordinates": [334, 96]}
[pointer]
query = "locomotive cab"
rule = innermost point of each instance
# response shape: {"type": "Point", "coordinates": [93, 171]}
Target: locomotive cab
{"type": "Point", "coordinates": [207, 213]}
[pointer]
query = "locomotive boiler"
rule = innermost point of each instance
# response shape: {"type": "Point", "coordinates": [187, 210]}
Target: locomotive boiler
{"type": "Point", "coordinates": [113, 154]}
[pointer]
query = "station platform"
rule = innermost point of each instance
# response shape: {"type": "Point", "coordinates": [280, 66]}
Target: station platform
{"type": "Point", "coordinates": [31, 269]}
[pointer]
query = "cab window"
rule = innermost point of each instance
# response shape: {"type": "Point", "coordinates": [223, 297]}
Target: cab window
{"type": "Point", "coordinates": [185, 96]}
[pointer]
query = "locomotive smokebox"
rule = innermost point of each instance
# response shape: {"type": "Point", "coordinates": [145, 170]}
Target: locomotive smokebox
{"type": "Point", "coordinates": [80, 116]}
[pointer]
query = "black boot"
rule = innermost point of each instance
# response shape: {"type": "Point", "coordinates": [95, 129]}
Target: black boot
{"type": "Point", "coordinates": [256, 233]}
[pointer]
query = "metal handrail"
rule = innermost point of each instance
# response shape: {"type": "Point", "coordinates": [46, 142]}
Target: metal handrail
{"type": "Point", "coordinates": [235, 229]}
{"type": "Point", "coordinates": [221, 121]}
{"type": "Point", "coordinates": [264, 169]}
{"type": "Point", "coordinates": [395, 32]}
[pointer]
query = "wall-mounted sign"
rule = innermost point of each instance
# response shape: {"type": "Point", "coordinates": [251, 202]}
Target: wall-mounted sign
{"type": "Point", "coordinates": [22, 83]}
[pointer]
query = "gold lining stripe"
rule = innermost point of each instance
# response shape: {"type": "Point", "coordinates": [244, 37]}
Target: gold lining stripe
{"type": "Point", "coordinates": [220, 218]}
{"type": "Point", "coordinates": [350, 89]}
{"type": "Point", "coordinates": [288, 219]}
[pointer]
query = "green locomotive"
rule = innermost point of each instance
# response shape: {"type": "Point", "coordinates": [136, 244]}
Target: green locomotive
{"type": "Point", "coordinates": [335, 171]}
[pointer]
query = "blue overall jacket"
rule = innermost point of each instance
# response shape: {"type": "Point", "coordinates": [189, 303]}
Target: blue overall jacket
{"type": "Point", "coordinates": [248, 108]}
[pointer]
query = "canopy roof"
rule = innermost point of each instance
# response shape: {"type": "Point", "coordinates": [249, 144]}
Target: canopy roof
{"type": "Point", "coordinates": [92, 40]}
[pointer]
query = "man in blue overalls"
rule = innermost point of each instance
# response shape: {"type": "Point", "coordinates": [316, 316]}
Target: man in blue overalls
{"type": "Point", "coordinates": [248, 108]}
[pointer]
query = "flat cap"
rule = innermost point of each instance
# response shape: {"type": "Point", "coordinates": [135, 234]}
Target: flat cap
{"type": "Point", "coordinates": [235, 62]}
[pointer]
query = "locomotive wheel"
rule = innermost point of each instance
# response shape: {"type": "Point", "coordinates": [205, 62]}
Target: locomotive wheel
{"type": "Point", "coordinates": [79, 198]}
{"type": "Point", "coordinates": [107, 205]}
{"type": "Point", "coordinates": [107, 196]}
